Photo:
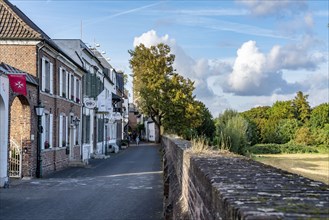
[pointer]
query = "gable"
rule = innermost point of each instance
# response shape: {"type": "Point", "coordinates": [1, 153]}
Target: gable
{"type": "Point", "coordinates": [14, 24]}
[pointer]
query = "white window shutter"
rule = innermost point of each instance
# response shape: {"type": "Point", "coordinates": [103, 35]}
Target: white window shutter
{"type": "Point", "coordinates": [60, 82]}
{"type": "Point", "coordinates": [51, 77]}
{"type": "Point", "coordinates": [60, 135]}
{"type": "Point", "coordinates": [69, 86]}
{"type": "Point", "coordinates": [43, 135]}
{"type": "Point", "coordinates": [51, 130]}
{"type": "Point", "coordinates": [67, 128]}
{"type": "Point", "coordinates": [74, 136]}
{"type": "Point", "coordinates": [74, 87]}
{"type": "Point", "coordinates": [43, 74]}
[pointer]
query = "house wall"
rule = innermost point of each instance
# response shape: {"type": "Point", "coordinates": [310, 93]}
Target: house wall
{"type": "Point", "coordinates": [30, 138]}
{"type": "Point", "coordinates": [57, 157]}
{"type": "Point", "coordinates": [20, 56]}
{"type": "Point", "coordinates": [4, 106]}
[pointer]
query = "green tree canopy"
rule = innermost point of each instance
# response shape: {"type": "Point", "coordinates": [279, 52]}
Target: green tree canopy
{"type": "Point", "coordinates": [302, 107]}
{"type": "Point", "coordinates": [161, 93]}
{"type": "Point", "coordinates": [282, 110]}
{"type": "Point", "coordinates": [320, 115]}
{"type": "Point", "coordinates": [207, 126]}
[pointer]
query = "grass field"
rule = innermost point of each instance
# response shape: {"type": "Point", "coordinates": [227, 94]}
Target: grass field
{"type": "Point", "coordinates": [313, 166]}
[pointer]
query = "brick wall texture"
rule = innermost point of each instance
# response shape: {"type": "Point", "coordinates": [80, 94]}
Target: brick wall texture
{"type": "Point", "coordinates": [22, 57]}
{"type": "Point", "coordinates": [227, 186]}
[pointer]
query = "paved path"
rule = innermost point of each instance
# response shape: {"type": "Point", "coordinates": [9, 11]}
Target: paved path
{"type": "Point", "coordinates": [128, 185]}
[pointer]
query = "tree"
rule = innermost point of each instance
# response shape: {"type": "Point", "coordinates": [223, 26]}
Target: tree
{"type": "Point", "coordinates": [222, 119]}
{"type": "Point", "coordinates": [320, 116]}
{"type": "Point", "coordinates": [161, 93]}
{"type": "Point", "coordinates": [207, 126]}
{"type": "Point", "coordinates": [261, 112]}
{"type": "Point", "coordinates": [233, 135]}
{"type": "Point", "coordinates": [302, 107]}
{"type": "Point", "coordinates": [282, 110]}
{"type": "Point", "coordinates": [304, 136]}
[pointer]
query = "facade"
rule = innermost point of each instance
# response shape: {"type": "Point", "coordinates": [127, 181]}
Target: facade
{"type": "Point", "coordinates": [99, 130]}
{"type": "Point", "coordinates": [81, 94]}
{"type": "Point", "coordinates": [21, 147]}
{"type": "Point", "coordinates": [57, 85]}
{"type": "Point", "coordinates": [4, 108]}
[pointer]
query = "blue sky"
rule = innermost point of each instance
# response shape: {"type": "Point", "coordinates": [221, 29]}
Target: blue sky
{"type": "Point", "coordinates": [241, 54]}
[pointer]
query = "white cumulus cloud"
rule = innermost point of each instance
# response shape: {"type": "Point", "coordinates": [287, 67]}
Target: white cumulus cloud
{"type": "Point", "coordinates": [256, 73]}
{"type": "Point", "coordinates": [252, 74]}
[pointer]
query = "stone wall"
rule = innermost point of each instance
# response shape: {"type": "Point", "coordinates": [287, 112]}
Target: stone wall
{"type": "Point", "coordinates": [227, 186]}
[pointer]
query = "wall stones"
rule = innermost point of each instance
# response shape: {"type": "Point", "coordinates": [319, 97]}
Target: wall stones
{"type": "Point", "coordinates": [227, 186]}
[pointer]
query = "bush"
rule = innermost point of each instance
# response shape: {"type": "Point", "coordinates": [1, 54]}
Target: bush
{"type": "Point", "coordinates": [289, 148]}
{"type": "Point", "coordinates": [265, 149]}
{"type": "Point", "coordinates": [295, 148]}
{"type": "Point", "coordinates": [233, 135]}
{"type": "Point", "coordinates": [304, 136]}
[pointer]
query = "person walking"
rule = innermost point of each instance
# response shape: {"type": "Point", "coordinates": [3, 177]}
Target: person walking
{"type": "Point", "coordinates": [137, 140]}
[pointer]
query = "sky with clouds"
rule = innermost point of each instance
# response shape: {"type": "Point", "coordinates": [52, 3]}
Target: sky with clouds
{"type": "Point", "coordinates": [241, 54]}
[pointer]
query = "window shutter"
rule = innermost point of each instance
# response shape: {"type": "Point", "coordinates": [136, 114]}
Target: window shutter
{"type": "Point", "coordinates": [43, 74]}
{"type": "Point", "coordinates": [67, 128]}
{"type": "Point", "coordinates": [51, 77]}
{"type": "Point", "coordinates": [69, 86]}
{"type": "Point", "coordinates": [43, 135]}
{"type": "Point", "coordinates": [60, 137]}
{"type": "Point", "coordinates": [51, 130]}
{"type": "Point", "coordinates": [60, 83]}
{"type": "Point", "coordinates": [75, 87]}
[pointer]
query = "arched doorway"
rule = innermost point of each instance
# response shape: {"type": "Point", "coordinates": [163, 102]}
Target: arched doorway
{"type": "Point", "coordinates": [20, 132]}
{"type": "Point", "coordinates": [3, 141]}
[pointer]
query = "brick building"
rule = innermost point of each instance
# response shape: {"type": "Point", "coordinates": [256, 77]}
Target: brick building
{"type": "Point", "coordinates": [58, 86]}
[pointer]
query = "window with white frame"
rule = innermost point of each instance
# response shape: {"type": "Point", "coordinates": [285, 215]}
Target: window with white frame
{"type": "Point", "coordinates": [47, 124]}
{"type": "Point", "coordinates": [63, 130]}
{"type": "Point", "coordinates": [62, 82]}
{"type": "Point", "coordinates": [47, 76]}
{"type": "Point", "coordinates": [72, 82]}
{"type": "Point", "coordinates": [77, 90]}
{"type": "Point", "coordinates": [86, 128]}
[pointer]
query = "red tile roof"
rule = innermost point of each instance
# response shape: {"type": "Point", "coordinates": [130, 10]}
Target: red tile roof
{"type": "Point", "coordinates": [14, 24]}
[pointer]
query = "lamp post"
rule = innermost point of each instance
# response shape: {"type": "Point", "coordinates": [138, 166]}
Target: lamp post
{"type": "Point", "coordinates": [39, 109]}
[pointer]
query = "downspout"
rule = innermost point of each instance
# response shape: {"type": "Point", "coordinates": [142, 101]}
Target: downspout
{"type": "Point", "coordinates": [39, 157]}
{"type": "Point", "coordinates": [81, 113]}
{"type": "Point", "coordinates": [103, 124]}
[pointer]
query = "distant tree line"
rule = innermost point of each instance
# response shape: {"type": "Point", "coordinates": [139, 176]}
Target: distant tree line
{"type": "Point", "coordinates": [284, 127]}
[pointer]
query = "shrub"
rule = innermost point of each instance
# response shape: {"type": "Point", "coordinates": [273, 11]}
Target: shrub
{"type": "Point", "coordinates": [233, 135]}
{"type": "Point", "coordinates": [265, 149]}
{"type": "Point", "coordinates": [304, 136]}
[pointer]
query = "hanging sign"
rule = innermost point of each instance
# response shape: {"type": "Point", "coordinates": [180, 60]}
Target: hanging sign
{"type": "Point", "coordinates": [89, 103]}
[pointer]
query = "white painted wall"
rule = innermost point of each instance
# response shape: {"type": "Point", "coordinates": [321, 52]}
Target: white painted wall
{"type": "Point", "coordinates": [4, 98]}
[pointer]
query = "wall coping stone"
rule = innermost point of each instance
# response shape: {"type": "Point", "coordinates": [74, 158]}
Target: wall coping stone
{"type": "Point", "coordinates": [235, 187]}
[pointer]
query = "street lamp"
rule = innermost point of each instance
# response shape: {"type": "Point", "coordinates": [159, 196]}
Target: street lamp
{"type": "Point", "coordinates": [76, 121]}
{"type": "Point", "coordinates": [39, 109]}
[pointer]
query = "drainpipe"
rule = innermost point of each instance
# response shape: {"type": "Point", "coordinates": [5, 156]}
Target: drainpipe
{"type": "Point", "coordinates": [40, 129]}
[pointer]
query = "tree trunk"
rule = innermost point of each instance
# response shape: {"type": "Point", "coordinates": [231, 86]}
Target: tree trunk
{"type": "Point", "coordinates": [157, 128]}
